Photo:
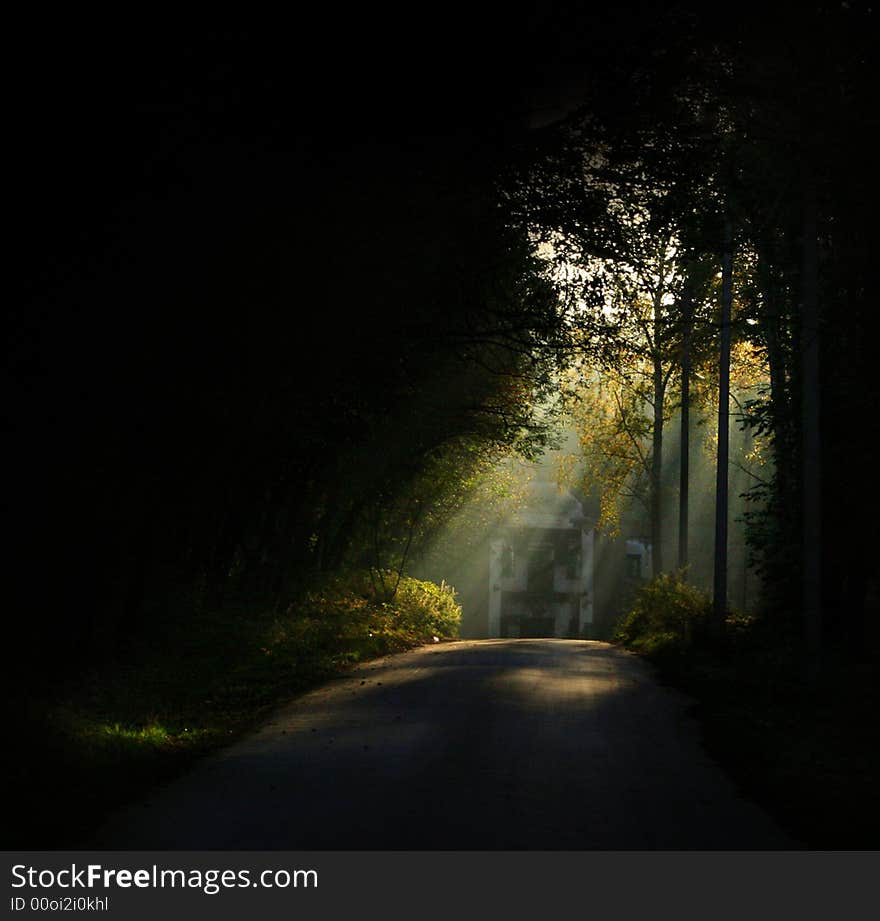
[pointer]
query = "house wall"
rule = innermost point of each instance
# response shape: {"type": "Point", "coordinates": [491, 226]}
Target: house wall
{"type": "Point", "coordinates": [565, 605]}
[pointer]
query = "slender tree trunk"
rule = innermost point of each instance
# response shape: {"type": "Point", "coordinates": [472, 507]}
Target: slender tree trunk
{"type": "Point", "coordinates": [719, 600]}
{"type": "Point", "coordinates": [657, 470]}
{"type": "Point", "coordinates": [810, 446]}
{"type": "Point", "coordinates": [659, 386]}
{"type": "Point", "coordinates": [684, 470]}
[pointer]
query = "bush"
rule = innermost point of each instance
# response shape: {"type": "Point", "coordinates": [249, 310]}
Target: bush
{"type": "Point", "coordinates": [428, 609]}
{"type": "Point", "coordinates": [353, 618]}
{"type": "Point", "coordinates": [666, 613]}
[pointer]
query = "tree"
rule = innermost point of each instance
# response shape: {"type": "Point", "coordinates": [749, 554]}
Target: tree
{"type": "Point", "coordinates": [766, 120]}
{"type": "Point", "coordinates": [719, 596]}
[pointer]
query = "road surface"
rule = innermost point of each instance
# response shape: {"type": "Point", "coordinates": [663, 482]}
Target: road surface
{"type": "Point", "coordinates": [473, 745]}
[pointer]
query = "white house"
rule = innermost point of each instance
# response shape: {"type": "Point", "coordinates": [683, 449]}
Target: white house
{"type": "Point", "coordinates": [541, 569]}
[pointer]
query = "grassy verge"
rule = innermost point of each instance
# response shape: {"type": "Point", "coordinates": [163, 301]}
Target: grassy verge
{"type": "Point", "coordinates": [807, 752]}
{"type": "Point", "coordinates": [109, 735]}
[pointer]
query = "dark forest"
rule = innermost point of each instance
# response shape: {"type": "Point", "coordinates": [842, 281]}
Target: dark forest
{"type": "Point", "coordinates": [282, 300]}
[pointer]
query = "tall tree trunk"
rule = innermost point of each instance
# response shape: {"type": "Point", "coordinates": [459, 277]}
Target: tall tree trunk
{"type": "Point", "coordinates": [684, 442]}
{"type": "Point", "coordinates": [810, 445]}
{"type": "Point", "coordinates": [657, 469]}
{"type": "Point", "coordinates": [659, 386]}
{"type": "Point", "coordinates": [719, 598]}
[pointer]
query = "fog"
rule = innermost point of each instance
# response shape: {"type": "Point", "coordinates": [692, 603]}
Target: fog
{"type": "Point", "coordinates": [620, 556]}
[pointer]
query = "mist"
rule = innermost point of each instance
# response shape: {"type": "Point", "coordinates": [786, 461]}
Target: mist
{"type": "Point", "coordinates": [620, 557]}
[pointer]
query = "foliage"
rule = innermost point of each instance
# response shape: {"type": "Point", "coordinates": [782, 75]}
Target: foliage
{"type": "Point", "coordinates": [461, 482]}
{"type": "Point", "coordinates": [492, 490]}
{"type": "Point", "coordinates": [755, 126]}
{"type": "Point", "coordinates": [800, 751]}
{"type": "Point", "coordinates": [116, 730]}
{"type": "Point", "coordinates": [670, 619]}
{"type": "Point", "coordinates": [354, 616]}
{"type": "Point", "coordinates": [258, 430]}
{"type": "Point", "coordinates": [667, 612]}
{"type": "Point", "coordinates": [613, 430]}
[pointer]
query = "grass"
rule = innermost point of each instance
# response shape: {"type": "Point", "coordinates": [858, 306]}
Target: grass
{"type": "Point", "coordinates": [191, 684]}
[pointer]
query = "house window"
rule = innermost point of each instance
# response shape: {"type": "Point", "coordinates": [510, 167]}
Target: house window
{"type": "Point", "coordinates": [633, 566]}
{"type": "Point", "coordinates": [572, 558]}
{"type": "Point", "coordinates": [507, 560]}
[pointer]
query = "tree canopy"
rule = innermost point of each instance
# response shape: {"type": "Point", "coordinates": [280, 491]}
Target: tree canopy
{"type": "Point", "coordinates": [276, 288]}
{"type": "Point", "coordinates": [757, 122]}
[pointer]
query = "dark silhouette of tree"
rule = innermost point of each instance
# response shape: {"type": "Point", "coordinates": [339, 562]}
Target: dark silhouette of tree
{"type": "Point", "coordinates": [764, 119]}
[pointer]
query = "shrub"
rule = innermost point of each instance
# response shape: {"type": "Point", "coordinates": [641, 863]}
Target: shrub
{"type": "Point", "coordinates": [352, 619]}
{"type": "Point", "coordinates": [666, 612]}
{"type": "Point", "coordinates": [428, 609]}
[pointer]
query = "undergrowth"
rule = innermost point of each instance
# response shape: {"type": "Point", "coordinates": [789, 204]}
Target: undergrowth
{"type": "Point", "coordinates": [190, 684]}
{"type": "Point", "coordinates": [806, 750]}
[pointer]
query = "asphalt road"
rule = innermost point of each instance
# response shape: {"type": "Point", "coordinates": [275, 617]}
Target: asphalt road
{"type": "Point", "coordinates": [473, 745]}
